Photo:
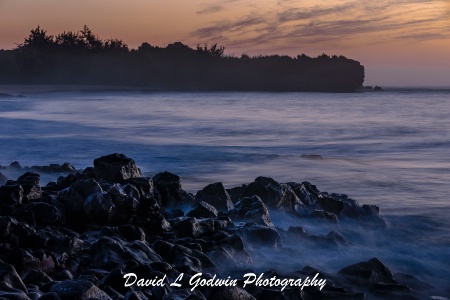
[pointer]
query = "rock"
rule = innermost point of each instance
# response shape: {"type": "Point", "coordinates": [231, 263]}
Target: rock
{"type": "Point", "coordinates": [298, 232]}
{"type": "Point", "coordinates": [371, 271]}
{"type": "Point", "coordinates": [109, 253]}
{"type": "Point", "coordinates": [36, 277]}
{"type": "Point", "coordinates": [258, 235]}
{"type": "Point", "coordinates": [10, 195]}
{"type": "Point", "coordinates": [229, 293]}
{"type": "Point", "coordinates": [170, 192]}
{"type": "Point", "coordinates": [15, 165]}
{"type": "Point", "coordinates": [235, 192]}
{"type": "Point", "coordinates": [144, 185]}
{"type": "Point", "coordinates": [30, 184]}
{"type": "Point", "coordinates": [273, 194]}
{"type": "Point", "coordinates": [98, 207]}
{"type": "Point", "coordinates": [50, 296]}
{"type": "Point", "coordinates": [10, 281]}
{"type": "Point", "coordinates": [334, 206]}
{"type": "Point", "coordinates": [57, 242]}
{"type": "Point", "coordinates": [178, 294]}
{"type": "Point", "coordinates": [22, 260]}
{"type": "Point", "coordinates": [306, 192]}
{"type": "Point", "coordinates": [78, 289]}
{"type": "Point", "coordinates": [192, 227]}
{"type": "Point", "coordinates": [203, 210]}
{"type": "Point", "coordinates": [132, 233]}
{"type": "Point", "coordinates": [250, 209]}
{"type": "Point", "coordinates": [46, 213]}
{"type": "Point", "coordinates": [74, 197]}
{"type": "Point", "coordinates": [216, 195]}
{"type": "Point", "coordinates": [3, 179]}
{"type": "Point", "coordinates": [116, 168]}
{"type": "Point", "coordinates": [377, 89]}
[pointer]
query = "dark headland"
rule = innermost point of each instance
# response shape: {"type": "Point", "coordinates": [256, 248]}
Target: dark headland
{"type": "Point", "coordinates": [81, 58]}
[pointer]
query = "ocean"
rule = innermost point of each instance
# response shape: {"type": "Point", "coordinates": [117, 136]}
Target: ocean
{"type": "Point", "coordinates": [387, 148]}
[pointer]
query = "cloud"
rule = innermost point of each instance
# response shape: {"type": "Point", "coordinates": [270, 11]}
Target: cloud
{"type": "Point", "coordinates": [215, 7]}
{"type": "Point", "coordinates": [291, 24]}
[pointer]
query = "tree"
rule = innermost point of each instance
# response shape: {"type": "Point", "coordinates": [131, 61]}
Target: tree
{"type": "Point", "coordinates": [38, 38]}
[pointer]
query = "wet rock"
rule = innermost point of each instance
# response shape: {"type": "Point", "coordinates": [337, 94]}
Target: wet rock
{"type": "Point", "coordinates": [235, 192]}
{"type": "Point", "coordinates": [192, 227]}
{"type": "Point", "coordinates": [371, 210]}
{"type": "Point", "coordinates": [331, 205]}
{"type": "Point", "coordinates": [116, 168]}
{"type": "Point", "coordinates": [321, 214]}
{"type": "Point", "coordinates": [115, 280]}
{"type": "Point", "coordinates": [30, 184]}
{"type": "Point", "coordinates": [258, 235]}
{"type": "Point", "coordinates": [144, 185]}
{"type": "Point", "coordinates": [58, 242]}
{"type": "Point", "coordinates": [36, 277]}
{"type": "Point", "coordinates": [298, 232]}
{"type": "Point", "coordinates": [55, 168]}
{"type": "Point", "coordinates": [108, 253]}
{"type": "Point", "coordinates": [216, 195]}
{"type": "Point", "coordinates": [203, 210]}
{"type": "Point", "coordinates": [14, 233]}
{"type": "Point", "coordinates": [250, 209]}
{"type": "Point", "coordinates": [133, 295]}
{"type": "Point", "coordinates": [178, 294]}
{"type": "Point", "coordinates": [46, 213]}
{"type": "Point", "coordinates": [229, 293]}
{"type": "Point", "coordinates": [371, 271]}
{"type": "Point", "coordinates": [273, 194]}
{"type": "Point", "coordinates": [306, 192]}
{"type": "Point", "coordinates": [74, 197]}
{"type": "Point", "coordinates": [10, 195]}
{"type": "Point", "coordinates": [170, 192]}
{"type": "Point", "coordinates": [98, 207]}
{"type": "Point", "coordinates": [132, 233]}
{"type": "Point", "coordinates": [78, 289]}
{"type": "Point", "coordinates": [10, 282]}
{"type": "Point", "coordinates": [22, 260]}
{"type": "Point", "coordinates": [50, 296]}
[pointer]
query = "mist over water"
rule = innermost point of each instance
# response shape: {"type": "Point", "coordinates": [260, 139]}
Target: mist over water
{"type": "Point", "coordinates": [390, 149]}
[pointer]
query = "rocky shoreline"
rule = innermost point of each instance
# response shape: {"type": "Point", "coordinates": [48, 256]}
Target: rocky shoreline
{"type": "Point", "coordinates": [78, 237]}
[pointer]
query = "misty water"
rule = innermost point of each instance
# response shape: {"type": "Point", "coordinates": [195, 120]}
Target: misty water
{"type": "Point", "coordinates": [389, 148]}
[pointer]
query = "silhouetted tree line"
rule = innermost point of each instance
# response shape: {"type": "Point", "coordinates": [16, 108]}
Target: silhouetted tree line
{"type": "Point", "coordinates": [82, 58]}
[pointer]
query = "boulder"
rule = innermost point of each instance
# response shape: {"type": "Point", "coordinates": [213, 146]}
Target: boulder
{"type": "Point", "coordinates": [170, 193]}
{"type": "Point", "coordinates": [116, 168]}
{"type": "Point", "coordinates": [30, 184]}
{"type": "Point", "coordinates": [371, 271]}
{"type": "Point", "coordinates": [10, 195]}
{"type": "Point", "coordinates": [250, 209]}
{"type": "Point", "coordinates": [258, 235]}
{"type": "Point", "coordinates": [273, 194]}
{"type": "Point", "coordinates": [306, 192]}
{"type": "Point", "coordinates": [9, 278]}
{"type": "Point", "coordinates": [192, 227]}
{"type": "Point", "coordinates": [203, 210]}
{"type": "Point", "coordinates": [78, 289]}
{"type": "Point", "coordinates": [216, 195]}
{"type": "Point", "coordinates": [98, 207]}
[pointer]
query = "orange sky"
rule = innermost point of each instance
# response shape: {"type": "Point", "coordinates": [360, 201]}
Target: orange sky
{"type": "Point", "coordinates": [401, 43]}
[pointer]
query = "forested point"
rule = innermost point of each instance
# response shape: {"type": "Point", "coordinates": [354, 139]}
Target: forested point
{"type": "Point", "coordinates": [82, 58]}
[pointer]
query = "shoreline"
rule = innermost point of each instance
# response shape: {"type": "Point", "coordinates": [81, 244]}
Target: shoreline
{"type": "Point", "coordinates": [224, 232]}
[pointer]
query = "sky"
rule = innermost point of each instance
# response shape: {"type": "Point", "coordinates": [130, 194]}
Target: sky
{"type": "Point", "coordinates": [400, 43]}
